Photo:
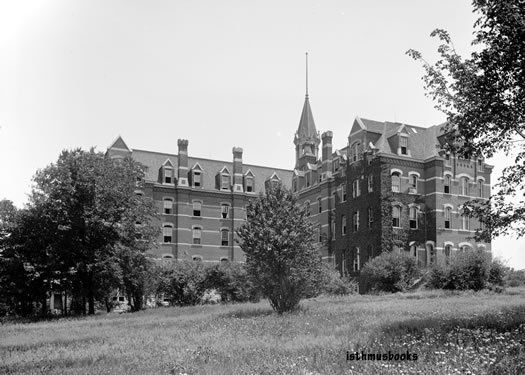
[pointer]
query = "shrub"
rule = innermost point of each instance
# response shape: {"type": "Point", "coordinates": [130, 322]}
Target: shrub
{"type": "Point", "coordinates": [391, 272]}
{"type": "Point", "coordinates": [470, 269]}
{"type": "Point", "coordinates": [515, 277]}
{"type": "Point", "coordinates": [333, 284]}
{"type": "Point", "coordinates": [184, 283]}
{"type": "Point", "coordinates": [232, 282]}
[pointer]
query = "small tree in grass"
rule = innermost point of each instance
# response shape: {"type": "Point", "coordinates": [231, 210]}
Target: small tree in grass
{"type": "Point", "coordinates": [278, 241]}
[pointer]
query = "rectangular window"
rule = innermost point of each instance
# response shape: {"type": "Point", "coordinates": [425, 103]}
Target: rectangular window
{"type": "Point", "coordinates": [480, 165]}
{"type": "Point", "coordinates": [370, 183]}
{"type": "Point", "coordinates": [465, 222]}
{"type": "Point", "coordinates": [447, 160]}
{"type": "Point", "coordinates": [332, 227]}
{"type": "Point", "coordinates": [225, 210]}
{"type": "Point", "coordinates": [308, 178]}
{"type": "Point", "coordinates": [464, 186]}
{"type": "Point", "coordinates": [197, 206]}
{"type": "Point", "coordinates": [335, 165]}
{"type": "Point", "coordinates": [344, 192]}
{"type": "Point", "coordinates": [370, 217]}
{"type": "Point", "coordinates": [343, 225]}
{"type": "Point", "coordinates": [403, 141]}
{"type": "Point", "coordinates": [197, 179]}
{"type": "Point", "coordinates": [168, 206]}
{"type": "Point", "coordinates": [480, 188]}
{"type": "Point", "coordinates": [356, 221]}
{"type": "Point", "coordinates": [225, 234]}
{"type": "Point", "coordinates": [319, 205]}
{"type": "Point", "coordinates": [357, 259]}
{"type": "Point", "coordinates": [197, 235]}
{"type": "Point", "coordinates": [413, 217]}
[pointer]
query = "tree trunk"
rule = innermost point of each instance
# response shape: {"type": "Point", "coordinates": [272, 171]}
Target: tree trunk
{"type": "Point", "coordinates": [44, 304]}
{"type": "Point", "coordinates": [91, 302]}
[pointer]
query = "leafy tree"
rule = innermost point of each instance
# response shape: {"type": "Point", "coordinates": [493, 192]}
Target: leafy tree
{"type": "Point", "coordinates": [278, 241]}
{"type": "Point", "coordinates": [483, 97]}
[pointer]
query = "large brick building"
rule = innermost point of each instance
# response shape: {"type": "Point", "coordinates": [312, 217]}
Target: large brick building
{"type": "Point", "coordinates": [391, 188]}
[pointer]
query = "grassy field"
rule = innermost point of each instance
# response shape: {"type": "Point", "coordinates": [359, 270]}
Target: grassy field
{"type": "Point", "coordinates": [474, 333]}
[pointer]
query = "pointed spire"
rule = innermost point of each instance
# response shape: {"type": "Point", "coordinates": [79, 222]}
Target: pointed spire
{"type": "Point", "coordinates": [306, 75]}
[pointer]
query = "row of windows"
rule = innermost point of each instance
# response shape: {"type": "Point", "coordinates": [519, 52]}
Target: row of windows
{"type": "Point", "coordinates": [479, 162]}
{"type": "Point", "coordinates": [167, 232]}
{"type": "Point", "coordinates": [465, 188]}
{"type": "Point", "coordinates": [356, 221]}
{"type": "Point", "coordinates": [197, 208]}
{"type": "Point", "coordinates": [224, 182]}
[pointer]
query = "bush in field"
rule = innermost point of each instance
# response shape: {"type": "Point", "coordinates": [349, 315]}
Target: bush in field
{"type": "Point", "coordinates": [183, 283]}
{"type": "Point", "coordinates": [333, 284]}
{"type": "Point", "coordinates": [470, 269]}
{"type": "Point", "coordinates": [515, 277]}
{"type": "Point", "coordinates": [278, 240]}
{"type": "Point", "coordinates": [391, 272]}
{"type": "Point", "coordinates": [232, 282]}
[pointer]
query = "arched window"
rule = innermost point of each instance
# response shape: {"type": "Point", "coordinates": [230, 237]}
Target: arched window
{"type": "Point", "coordinates": [224, 260]}
{"type": "Point", "coordinates": [480, 188]}
{"type": "Point", "coordinates": [168, 206]}
{"type": "Point", "coordinates": [465, 222]}
{"type": "Point", "coordinates": [225, 237]}
{"type": "Point", "coordinates": [448, 214]}
{"type": "Point", "coordinates": [447, 251]}
{"type": "Point", "coordinates": [412, 212]}
{"type": "Point", "coordinates": [167, 232]}
{"type": "Point", "coordinates": [464, 185]}
{"type": "Point", "coordinates": [396, 182]}
{"type": "Point", "coordinates": [413, 181]}
{"type": "Point", "coordinates": [396, 216]}
{"type": "Point", "coordinates": [197, 235]}
{"type": "Point", "coordinates": [357, 259]}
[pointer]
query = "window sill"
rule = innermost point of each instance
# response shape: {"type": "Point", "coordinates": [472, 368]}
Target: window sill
{"type": "Point", "coordinates": [197, 217]}
{"type": "Point", "coordinates": [196, 246]}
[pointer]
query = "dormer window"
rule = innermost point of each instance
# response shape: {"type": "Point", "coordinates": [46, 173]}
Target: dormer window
{"type": "Point", "coordinates": [197, 179]}
{"type": "Point", "coordinates": [225, 182]}
{"type": "Point", "coordinates": [249, 185]}
{"type": "Point", "coordinates": [403, 144]}
{"type": "Point", "coordinates": [168, 175]}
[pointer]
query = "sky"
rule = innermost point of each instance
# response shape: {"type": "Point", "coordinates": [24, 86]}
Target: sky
{"type": "Point", "coordinates": [218, 73]}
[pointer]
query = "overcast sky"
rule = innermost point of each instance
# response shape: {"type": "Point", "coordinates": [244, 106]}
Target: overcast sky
{"type": "Point", "coordinates": [218, 73]}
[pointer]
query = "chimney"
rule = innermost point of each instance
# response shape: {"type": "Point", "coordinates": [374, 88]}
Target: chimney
{"type": "Point", "coordinates": [238, 185]}
{"type": "Point", "coordinates": [327, 153]}
{"type": "Point", "coordinates": [183, 162]}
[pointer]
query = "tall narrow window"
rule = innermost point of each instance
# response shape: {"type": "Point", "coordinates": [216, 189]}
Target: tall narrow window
{"type": "Point", "coordinates": [344, 192]}
{"type": "Point", "coordinates": [480, 188]}
{"type": "Point", "coordinates": [464, 186]}
{"type": "Point", "coordinates": [167, 231]}
{"type": "Point", "coordinates": [447, 160]}
{"type": "Point", "coordinates": [225, 182]}
{"type": "Point", "coordinates": [448, 212]}
{"type": "Point", "coordinates": [294, 185]}
{"type": "Point", "coordinates": [356, 188]}
{"type": "Point", "coordinates": [319, 205]}
{"type": "Point", "coordinates": [356, 221]}
{"type": "Point", "coordinates": [403, 142]}
{"type": "Point", "coordinates": [447, 251]}
{"type": "Point", "coordinates": [168, 206]}
{"type": "Point", "coordinates": [343, 225]}
{"type": "Point", "coordinates": [197, 206]}
{"type": "Point", "coordinates": [197, 179]}
{"type": "Point", "coordinates": [447, 184]}
{"type": "Point", "coordinates": [396, 216]}
{"type": "Point", "coordinates": [335, 165]}
{"type": "Point", "coordinates": [396, 182]}
{"type": "Point", "coordinates": [320, 233]}
{"type": "Point", "coordinates": [308, 178]}
{"type": "Point", "coordinates": [413, 217]}
{"type": "Point", "coordinates": [307, 208]}
{"type": "Point", "coordinates": [225, 210]}
{"type": "Point", "coordinates": [413, 181]}
{"type": "Point", "coordinates": [249, 185]}
{"type": "Point", "coordinates": [480, 165]}
{"type": "Point", "coordinates": [332, 228]}
{"type": "Point", "coordinates": [370, 217]}
{"type": "Point", "coordinates": [370, 183]}
{"type": "Point", "coordinates": [355, 151]}
{"type": "Point", "coordinates": [357, 259]}
{"type": "Point", "coordinates": [225, 237]}
{"type": "Point", "coordinates": [334, 198]}
{"type": "Point", "coordinates": [197, 235]}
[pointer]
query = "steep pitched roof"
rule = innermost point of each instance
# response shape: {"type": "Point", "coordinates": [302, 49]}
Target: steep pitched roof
{"type": "Point", "coordinates": [306, 127]}
{"type": "Point", "coordinates": [119, 144]}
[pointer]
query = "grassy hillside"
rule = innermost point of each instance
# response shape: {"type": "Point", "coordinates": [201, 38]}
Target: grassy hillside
{"type": "Point", "coordinates": [449, 333]}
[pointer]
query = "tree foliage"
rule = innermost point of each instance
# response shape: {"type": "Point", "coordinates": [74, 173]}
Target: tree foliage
{"type": "Point", "coordinates": [278, 241]}
{"type": "Point", "coordinates": [391, 272]}
{"type": "Point", "coordinates": [84, 232]}
{"type": "Point", "coordinates": [483, 97]}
